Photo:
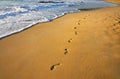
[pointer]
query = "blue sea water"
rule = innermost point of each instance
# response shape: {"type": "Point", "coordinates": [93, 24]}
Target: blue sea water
{"type": "Point", "coordinates": [17, 15]}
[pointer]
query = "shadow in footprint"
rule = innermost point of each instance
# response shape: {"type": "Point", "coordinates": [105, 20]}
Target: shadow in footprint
{"type": "Point", "coordinates": [65, 51]}
{"type": "Point", "coordinates": [70, 40]}
{"type": "Point", "coordinates": [76, 33]}
{"type": "Point", "coordinates": [54, 66]}
{"type": "Point", "coordinates": [114, 24]}
{"type": "Point", "coordinates": [75, 27]}
{"type": "Point", "coordinates": [78, 23]}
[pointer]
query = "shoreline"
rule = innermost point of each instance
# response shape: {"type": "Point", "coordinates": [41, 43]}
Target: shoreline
{"type": "Point", "coordinates": [43, 23]}
{"type": "Point", "coordinates": [32, 25]}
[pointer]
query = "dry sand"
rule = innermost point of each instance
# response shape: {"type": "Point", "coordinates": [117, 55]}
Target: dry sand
{"type": "Point", "coordinates": [114, 1]}
{"type": "Point", "coordinates": [83, 45]}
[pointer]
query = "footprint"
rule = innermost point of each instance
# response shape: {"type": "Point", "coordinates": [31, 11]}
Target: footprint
{"type": "Point", "coordinates": [84, 18]}
{"type": "Point", "coordinates": [75, 27]}
{"type": "Point", "coordinates": [54, 66]}
{"type": "Point", "coordinates": [69, 41]}
{"type": "Point", "coordinates": [76, 33]}
{"type": "Point", "coordinates": [79, 20]}
{"type": "Point", "coordinates": [65, 51]}
{"type": "Point", "coordinates": [116, 30]}
{"type": "Point", "coordinates": [114, 24]}
{"type": "Point", "coordinates": [78, 23]}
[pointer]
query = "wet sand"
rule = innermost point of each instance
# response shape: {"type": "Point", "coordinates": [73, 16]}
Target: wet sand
{"type": "Point", "coordinates": [83, 45]}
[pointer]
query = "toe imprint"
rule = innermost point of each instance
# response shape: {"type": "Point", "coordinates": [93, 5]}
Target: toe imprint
{"type": "Point", "coordinates": [65, 51]}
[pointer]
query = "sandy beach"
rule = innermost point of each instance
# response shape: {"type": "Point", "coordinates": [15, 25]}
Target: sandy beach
{"type": "Point", "coordinates": [114, 1]}
{"type": "Point", "coordinates": [84, 45]}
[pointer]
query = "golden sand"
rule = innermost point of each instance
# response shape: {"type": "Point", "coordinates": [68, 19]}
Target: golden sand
{"type": "Point", "coordinates": [83, 45]}
{"type": "Point", "coordinates": [114, 1]}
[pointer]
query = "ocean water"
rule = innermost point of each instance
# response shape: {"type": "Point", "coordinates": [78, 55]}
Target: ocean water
{"type": "Point", "coordinates": [17, 15]}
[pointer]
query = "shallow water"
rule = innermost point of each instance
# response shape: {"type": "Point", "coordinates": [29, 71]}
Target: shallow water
{"type": "Point", "coordinates": [17, 15]}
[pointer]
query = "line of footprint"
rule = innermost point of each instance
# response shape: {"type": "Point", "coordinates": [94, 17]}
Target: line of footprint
{"type": "Point", "coordinates": [66, 50]}
{"type": "Point", "coordinates": [116, 26]}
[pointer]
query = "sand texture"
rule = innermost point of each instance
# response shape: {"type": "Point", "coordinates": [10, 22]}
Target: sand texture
{"type": "Point", "coordinates": [114, 1]}
{"type": "Point", "coordinates": [83, 45]}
